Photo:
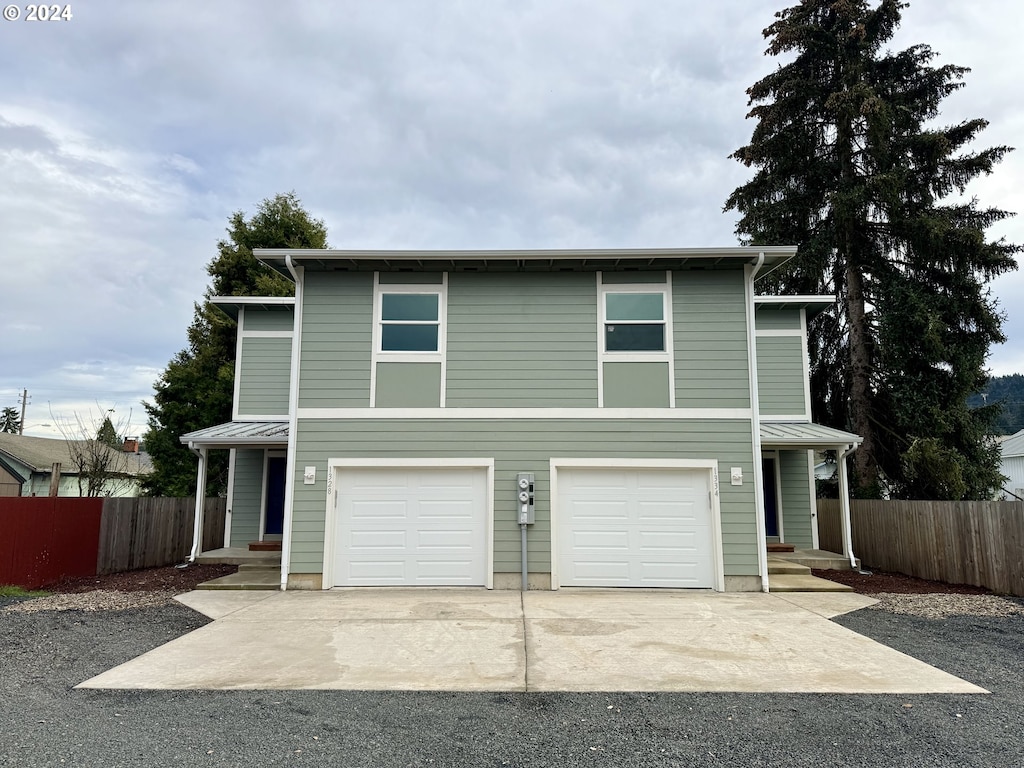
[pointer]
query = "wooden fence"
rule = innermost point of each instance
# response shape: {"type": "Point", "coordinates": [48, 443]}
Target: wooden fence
{"type": "Point", "coordinates": [44, 539]}
{"type": "Point", "coordinates": [958, 542]}
{"type": "Point", "coordinates": [150, 532]}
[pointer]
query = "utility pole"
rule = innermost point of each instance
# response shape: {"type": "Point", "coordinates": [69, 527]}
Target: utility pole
{"type": "Point", "coordinates": [24, 402]}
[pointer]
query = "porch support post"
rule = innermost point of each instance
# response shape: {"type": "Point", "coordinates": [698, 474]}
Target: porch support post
{"type": "Point", "coordinates": [197, 528]}
{"type": "Point", "coordinates": [844, 503]}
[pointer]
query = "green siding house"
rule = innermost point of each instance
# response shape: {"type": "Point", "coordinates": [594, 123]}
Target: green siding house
{"type": "Point", "coordinates": [513, 419]}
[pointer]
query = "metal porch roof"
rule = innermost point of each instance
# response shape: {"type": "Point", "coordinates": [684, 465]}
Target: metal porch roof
{"type": "Point", "coordinates": [805, 434]}
{"type": "Point", "coordinates": [236, 434]}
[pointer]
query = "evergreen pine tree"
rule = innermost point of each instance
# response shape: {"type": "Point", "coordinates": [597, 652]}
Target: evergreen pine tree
{"type": "Point", "coordinates": [852, 169]}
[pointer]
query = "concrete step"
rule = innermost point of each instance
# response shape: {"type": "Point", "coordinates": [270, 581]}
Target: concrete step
{"type": "Point", "coordinates": [239, 556]}
{"type": "Point", "coordinates": [801, 583]}
{"type": "Point", "coordinates": [783, 567]}
{"type": "Point", "coordinates": [262, 579]}
{"type": "Point", "coordinates": [269, 566]}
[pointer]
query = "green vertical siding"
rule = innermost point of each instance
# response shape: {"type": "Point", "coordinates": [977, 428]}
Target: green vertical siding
{"type": "Point", "coordinates": [710, 339]}
{"type": "Point", "coordinates": [247, 497]}
{"type": "Point", "coordinates": [780, 375]}
{"type": "Point", "coordinates": [796, 498]}
{"type": "Point", "coordinates": [524, 445]}
{"type": "Point", "coordinates": [264, 375]}
{"type": "Point", "coordinates": [522, 339]}
{"type": "Point", "coordinates": [337, 320]}
{"type": "Point", "coordinates": [408, 385]}
{"type": "Point", "coordinates": [268, 319]}
{"type": "Point", "coordinates": [771, 319]}
{"type": "Point", "coordinates": [636, 385]}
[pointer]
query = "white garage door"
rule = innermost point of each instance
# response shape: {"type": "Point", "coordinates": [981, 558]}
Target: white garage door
{"type": "Point", "coordinates": [634, 528]}
{"type": "Point", "coordinates": [411, 526]}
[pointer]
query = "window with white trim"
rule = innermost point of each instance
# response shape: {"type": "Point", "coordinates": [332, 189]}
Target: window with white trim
{"type": "Point", "coordinates": [410, 322]}
{"type": "Point", "coordinates": [634, 321]}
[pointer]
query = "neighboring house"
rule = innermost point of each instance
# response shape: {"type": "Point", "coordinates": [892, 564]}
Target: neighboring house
{"type": "Point", "coordinates": [26, 466]}
{"type": "Point", "coordinates": [655, 411]}
{"type": "Point", "coordinates": [1012, 466]}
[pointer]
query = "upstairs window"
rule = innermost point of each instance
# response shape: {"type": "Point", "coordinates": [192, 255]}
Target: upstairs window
{"type": "Point", "coordinates": [410, 322]}
{"type": "Point", "coordinates": [634, 322]}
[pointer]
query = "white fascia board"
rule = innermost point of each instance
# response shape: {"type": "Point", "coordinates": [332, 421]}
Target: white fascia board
{"type": "Point", "coordinates": [630, 254]}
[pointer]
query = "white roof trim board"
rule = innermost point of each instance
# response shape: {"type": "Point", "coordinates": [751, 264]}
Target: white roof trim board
{"type": "Point", "coordinates": [1013, 445]}
{"type": "Point", "coordinates": [236, 434]}
{"type": "Point", "coordinates": [805, 434]}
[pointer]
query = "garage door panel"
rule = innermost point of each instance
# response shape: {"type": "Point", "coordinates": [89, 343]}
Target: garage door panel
{"type": "Point", "coordinates": [597, 539]}
{"type": "Point", "coordinates": [373, 540]}
{"type": "Point", "coordinates": [634, 527]}
{"type": "Point", "coordinates": [410, 526]}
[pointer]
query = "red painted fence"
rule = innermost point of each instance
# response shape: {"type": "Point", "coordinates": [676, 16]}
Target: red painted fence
{"type": "Point", "coordinates": [43, 540]}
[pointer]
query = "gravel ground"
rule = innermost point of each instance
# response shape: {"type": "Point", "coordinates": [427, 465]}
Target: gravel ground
{"type": "Point", "coordinates": [43, 722]}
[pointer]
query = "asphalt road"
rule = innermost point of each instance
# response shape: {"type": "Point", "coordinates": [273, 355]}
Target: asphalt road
{"type": "Point", "coordinates": [44, 722]}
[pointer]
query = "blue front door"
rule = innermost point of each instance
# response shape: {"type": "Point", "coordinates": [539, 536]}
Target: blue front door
{"type": "Point", "coordinates": [771, 512]}
{"type": "Point", "coordinates": [275, 496]}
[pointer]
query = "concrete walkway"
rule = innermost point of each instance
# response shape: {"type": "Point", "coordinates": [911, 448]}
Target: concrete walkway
{"type": "Point", "coordinates": [570, 640]}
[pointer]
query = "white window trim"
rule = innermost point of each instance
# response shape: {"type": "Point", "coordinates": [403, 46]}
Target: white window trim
{"type": "Point", "coordinates": [331, 515]}
{"type": "Point", "coordinates": [380, 355]}
{"type": "Point", "coordinates": [667, 355]}
{"type": "Point", "coordinates": [710, 465]}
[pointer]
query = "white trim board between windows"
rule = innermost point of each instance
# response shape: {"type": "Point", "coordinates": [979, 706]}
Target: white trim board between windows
{"type": "Point", "coordinates": [282, 417]}
{"type": "Point", "coordinates": [780, 332]}
{"type": "Point", "coordinates": [743, 414]}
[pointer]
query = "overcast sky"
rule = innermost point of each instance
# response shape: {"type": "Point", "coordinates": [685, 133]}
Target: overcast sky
{"type": "Point", "coordinates": [129, 133]}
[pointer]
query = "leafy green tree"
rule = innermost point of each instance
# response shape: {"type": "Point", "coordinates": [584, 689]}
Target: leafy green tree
{"type": "Point", "coordinates": [853, 170]}
{"type": "Point", "coordinates": [1008, 393]}
{"type": "Point", "coordinates": [195, 389]}
{"type": "Point", "coordinates": [10, 421]}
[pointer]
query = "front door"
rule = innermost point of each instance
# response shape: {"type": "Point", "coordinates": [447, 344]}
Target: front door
{"type": "Point", "coordinates": [771, 496]}
{"type": "Point", "coordinates": [274, 520]}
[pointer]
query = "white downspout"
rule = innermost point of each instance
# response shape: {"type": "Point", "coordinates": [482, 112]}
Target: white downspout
{"type": "Point", "coordinates": [844, 504]}
{"type": "Point", "coordinates": [755, 426]}
{"type": "Point", "coordinates": [197, 527]}
{"type": "Point", "coordinates": [293, 425]}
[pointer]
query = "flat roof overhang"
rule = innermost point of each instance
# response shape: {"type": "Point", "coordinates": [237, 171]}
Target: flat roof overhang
{"type": "Point", "coordinates": [626, 259]}
{"type": "Point", "coordinates": [232, 305]}
{"type": "Point", "coordinates": [814, 305]}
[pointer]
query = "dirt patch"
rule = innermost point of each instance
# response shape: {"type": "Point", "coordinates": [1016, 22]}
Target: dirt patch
{"type": "Point", "coordinates": [167, 579]}
{"type": "Point", "coordinates": [896, 583]}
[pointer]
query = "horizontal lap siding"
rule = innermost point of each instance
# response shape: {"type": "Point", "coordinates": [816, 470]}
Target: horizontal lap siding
{"type": "Point", "coordinates": [524, 446]}
{"type": "Point", "coordinates": [337, 318]}
{"type": "Point", "coordinates": [268, 320]}
{"type": "Point", "coordinates": [710, 339]}
{"type": "Point", "coordinates": [247, 497]}
{"type": "Point", "coordinates": [522, 340]}
{"type": "Point", "coordinates": [263, 382]}
{"type": "Point", "coordinates": [780, 375]}
{"type": "Point", "coordinates": [796, 498]}
{"type": "Point", "coordinates": [771, 319]}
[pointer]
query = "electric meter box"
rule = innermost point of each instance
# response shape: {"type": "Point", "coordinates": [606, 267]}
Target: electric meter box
{"type": "Point", "coordinates": [525, 514]}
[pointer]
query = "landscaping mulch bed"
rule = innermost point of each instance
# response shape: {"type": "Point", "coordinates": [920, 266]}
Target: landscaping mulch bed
{"type": "Point", "coordinates": [896, 583]}
{"type": "Point", "coordinates": [167, 579]}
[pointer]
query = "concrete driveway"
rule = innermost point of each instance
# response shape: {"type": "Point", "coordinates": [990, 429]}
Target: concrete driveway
{"type": "Point", "coordinates": [570, 640]}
